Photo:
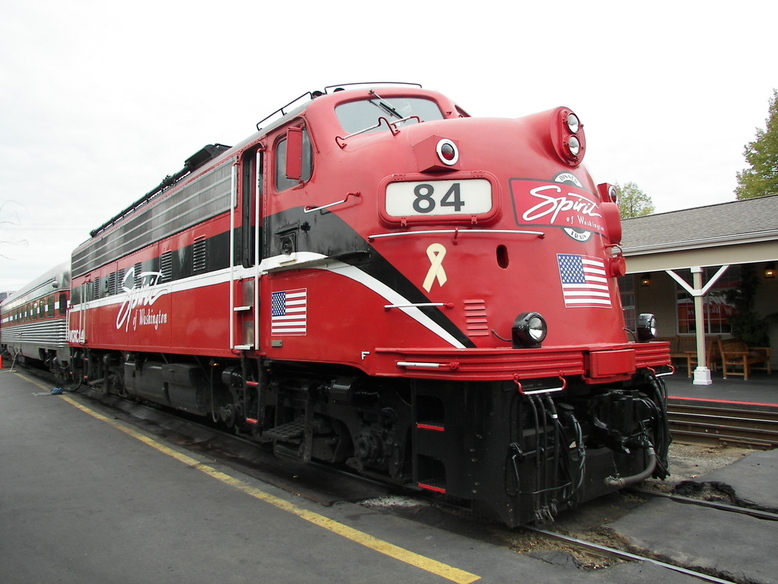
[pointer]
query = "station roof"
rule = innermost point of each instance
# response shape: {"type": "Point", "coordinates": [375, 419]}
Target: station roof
{"type": "Point", "coordinates": [737, 232]}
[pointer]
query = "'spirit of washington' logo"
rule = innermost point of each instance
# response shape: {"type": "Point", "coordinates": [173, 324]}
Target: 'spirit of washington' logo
{"type": "Point", "coordinates": [557, 204]}
{"type": "Point", "coordinates": [138, 296]}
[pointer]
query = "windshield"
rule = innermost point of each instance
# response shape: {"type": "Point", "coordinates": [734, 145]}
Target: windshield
{"type": "Point", "coordinates": [356, 116]}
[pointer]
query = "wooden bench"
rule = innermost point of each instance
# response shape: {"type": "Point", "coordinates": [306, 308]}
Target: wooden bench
{"type": "Point", "coordinates": [737, 358]}
{"type": "Point", "coordinates": [712, 355]}
{"type": "Point", "coordinates": [685, 348]}
{"type": "Point", "coordinates": [679, 346]}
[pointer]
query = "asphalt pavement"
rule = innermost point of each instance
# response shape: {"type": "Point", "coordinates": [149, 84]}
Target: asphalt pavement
{"type": "Point", "coordinates": [739, 547]}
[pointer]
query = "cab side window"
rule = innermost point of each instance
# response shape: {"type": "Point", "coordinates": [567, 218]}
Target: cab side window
{"type": "Point", "coordinates": [282, 182]}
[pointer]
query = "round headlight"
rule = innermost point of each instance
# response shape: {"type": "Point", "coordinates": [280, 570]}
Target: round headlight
{"type": "Point", "coordinates": [574, 145]}
{"type": "Point", "coordinates": [573, 123]}
{"type": "Point", "coordinates": [529, 330]}
{"type": "Point", "coordinates": [537, 328]}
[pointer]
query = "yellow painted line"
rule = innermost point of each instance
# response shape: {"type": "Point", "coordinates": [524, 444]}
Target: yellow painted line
{"type": "Point", "coordinates": [360, 537]}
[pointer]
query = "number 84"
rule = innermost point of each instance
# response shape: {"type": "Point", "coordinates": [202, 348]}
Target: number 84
{"type": "Point", "coordinates": [424, 203]}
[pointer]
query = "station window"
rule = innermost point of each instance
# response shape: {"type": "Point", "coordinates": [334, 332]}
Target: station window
{"type": "Point", "coordinates": [716, 309]}
{"type": "Point", "coordinates": [283, 183]}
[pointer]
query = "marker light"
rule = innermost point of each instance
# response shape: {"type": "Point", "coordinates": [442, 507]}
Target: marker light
{"type": "Point", "coordinates": [646, 327]}
{"type": "Point", "coordinates": [436, 154]}
{"type": "Point", "coordinates": [447, 152]}
{"type": "Point", "coordinates": [608, 193]}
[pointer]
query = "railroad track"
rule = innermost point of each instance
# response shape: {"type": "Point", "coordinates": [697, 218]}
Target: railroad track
{"type": "Point", "coordinates": [705, 424]}
{"type": "Point", "coordinates": [623, 553]}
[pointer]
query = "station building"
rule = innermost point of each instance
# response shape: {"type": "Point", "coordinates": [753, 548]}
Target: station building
{"type": "Point", "coordinates": [681, 264]}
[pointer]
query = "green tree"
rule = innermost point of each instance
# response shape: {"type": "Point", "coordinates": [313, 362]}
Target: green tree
{"type": "Point", "coordinates": [633, 202]}
{"type": "Point", "coordinates": [761, 178]}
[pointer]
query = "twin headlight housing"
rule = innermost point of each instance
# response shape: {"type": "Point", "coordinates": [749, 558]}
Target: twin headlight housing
{"type": "Point", "coordinates": [568, 136]}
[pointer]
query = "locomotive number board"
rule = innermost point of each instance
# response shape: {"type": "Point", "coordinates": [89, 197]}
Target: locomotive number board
{"type": "Point", "coordinates": [438, 197]}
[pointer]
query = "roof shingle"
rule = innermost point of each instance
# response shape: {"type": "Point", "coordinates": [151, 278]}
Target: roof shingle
{"type": "Point", "coordinates": [747, 220]}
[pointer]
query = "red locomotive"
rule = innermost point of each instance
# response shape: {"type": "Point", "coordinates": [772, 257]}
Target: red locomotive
{"type": "Point", "coordinates": [377, 279]}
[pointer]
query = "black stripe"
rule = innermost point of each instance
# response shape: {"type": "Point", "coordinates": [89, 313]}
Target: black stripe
{"type": "Point", "coordinates": [327, 234]}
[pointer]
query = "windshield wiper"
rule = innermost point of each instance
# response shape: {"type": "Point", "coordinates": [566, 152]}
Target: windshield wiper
{"type": "Point", "coordinates": [384, 105]}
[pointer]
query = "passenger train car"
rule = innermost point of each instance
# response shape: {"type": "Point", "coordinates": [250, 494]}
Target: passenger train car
{"type": "Point", "coordinates": [33, 321]}
{"type": "Point", "coordinates": [378, 280]}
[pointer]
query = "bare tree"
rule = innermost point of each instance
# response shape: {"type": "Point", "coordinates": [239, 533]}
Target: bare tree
{"type": "Point", "coordinates": [14, 220]}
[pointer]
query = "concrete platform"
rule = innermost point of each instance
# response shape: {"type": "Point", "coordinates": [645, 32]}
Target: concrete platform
{"type": "Point", "coordinates": [87, 498]}
{"type": "Point", "coordinates": [760, 391]}
{"type": "Point", "coordinates": [753, 480]}
{"type": "Point", "coordinates": [82, 499]}
{"type": "Point", "coordinates": [737, 546]}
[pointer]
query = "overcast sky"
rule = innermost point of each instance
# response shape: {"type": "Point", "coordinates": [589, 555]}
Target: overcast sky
{"type": "Point", "coordinates": [100, 100]}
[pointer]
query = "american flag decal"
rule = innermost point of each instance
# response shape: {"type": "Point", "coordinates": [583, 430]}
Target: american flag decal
{"type": "Point", "coordinates": [289, 312]}
{"type": "Point", "coordinates": [584, 281]}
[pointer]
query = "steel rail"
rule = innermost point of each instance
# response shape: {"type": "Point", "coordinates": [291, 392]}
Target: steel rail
{"type": "Point", "coordinates": [608, 552]}
{"type": "Point", "coordinates": [758, 513]}
{"type": "Point", "coordinates": [710, 424]}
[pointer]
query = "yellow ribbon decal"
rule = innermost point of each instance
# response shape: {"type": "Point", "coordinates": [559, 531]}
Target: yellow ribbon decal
{"type": "Point", "coordinates": [435, 252]}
